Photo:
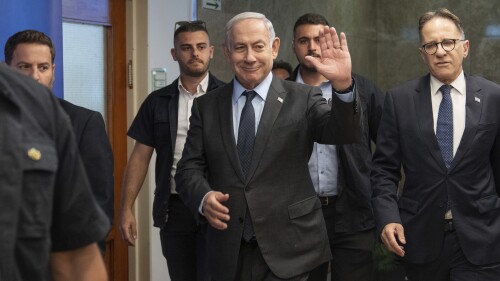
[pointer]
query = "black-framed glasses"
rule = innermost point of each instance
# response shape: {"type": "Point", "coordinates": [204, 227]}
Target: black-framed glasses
{"type": "Point", "coordinates": [447, 44]}
{"type": "Point", "coordinates": [197, 23]}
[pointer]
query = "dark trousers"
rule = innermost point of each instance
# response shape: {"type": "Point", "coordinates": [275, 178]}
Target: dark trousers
{"type": "Point", "coordinates": [452, 265]}
{"type": "Point", "coordinates": [252, 266]}
{"type": "Point", "coordinates": [352, 253]}
{"type": "Point", "coordinates": [183, 244]}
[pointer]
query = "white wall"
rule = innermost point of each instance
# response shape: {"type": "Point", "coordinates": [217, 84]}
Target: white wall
{"type": "Point", "coordinates": [162, 15]}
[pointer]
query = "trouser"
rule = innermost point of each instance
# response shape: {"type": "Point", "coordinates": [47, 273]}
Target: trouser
{"type": "Point", "coordinates": [352, 252]}
{"type": "Point", "coordinates": [183, 243]}
{"type": "Point", "coordinates": [451, 265]}
{"type": "Point", "coordinates": [252, 266]}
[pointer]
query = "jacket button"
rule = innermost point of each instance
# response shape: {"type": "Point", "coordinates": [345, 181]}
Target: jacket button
{"type": "Point", "coordinates": [240, 219]}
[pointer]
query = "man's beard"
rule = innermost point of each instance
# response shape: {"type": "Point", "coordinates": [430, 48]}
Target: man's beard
{"type": "Point", "coordinates": [307, 66]}
{"type": "Point", "coordinates": [195, 71]}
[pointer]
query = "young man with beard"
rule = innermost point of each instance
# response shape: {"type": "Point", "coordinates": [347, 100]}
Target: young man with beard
{"type": "Point", "coordinates": [341, 173]}
{"type": "Point", "coordinates": [161, 124]}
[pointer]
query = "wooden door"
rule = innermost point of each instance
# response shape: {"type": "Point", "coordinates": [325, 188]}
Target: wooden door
{"type": "Point", "coordinates": [111, 15]}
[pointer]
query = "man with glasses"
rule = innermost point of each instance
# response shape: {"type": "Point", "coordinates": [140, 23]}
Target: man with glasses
{"type": "Point", "coordinates": [161, 124]}
{"type": "Point", "coordinates": [341, 173]}
{"type": "Point", "coordinates": [443, 129]}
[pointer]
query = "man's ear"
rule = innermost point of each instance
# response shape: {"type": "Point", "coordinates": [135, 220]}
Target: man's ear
{"type": "Point", "coordinates": [173, 52]}
{"type": "Point", "coordinates": [275, 47]}
{"type": "Point", "coordinates": [227, 54]}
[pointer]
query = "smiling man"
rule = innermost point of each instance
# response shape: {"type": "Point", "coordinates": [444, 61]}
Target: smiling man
{"type": "Point", "coordinates": [444, 130]}
{"type": "Point", "coordinates": [244, 166]}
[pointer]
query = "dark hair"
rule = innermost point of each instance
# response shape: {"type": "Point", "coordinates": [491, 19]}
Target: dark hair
{"type": "Point", "coordinates": [310, 18]}
{"type": "Point", "coordinates": [284, 65]}
{"type": "Point", "coordinates": [27, 36]}
{"type": "Point", "coordinates": [441, 13]}
{"type": "Point", "coordinates": [189, 26]}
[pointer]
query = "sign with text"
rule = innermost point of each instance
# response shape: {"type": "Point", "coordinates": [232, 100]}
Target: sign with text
{"type": "Point", "coordinates": [212, 4]}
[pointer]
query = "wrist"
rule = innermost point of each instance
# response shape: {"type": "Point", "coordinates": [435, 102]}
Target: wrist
{"type": "Point", "coordinates": [343, 89]}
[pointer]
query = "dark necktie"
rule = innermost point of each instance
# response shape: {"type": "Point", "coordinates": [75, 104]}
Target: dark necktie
{"type": "Point", "coordinates": [246, 137]}
{"type": "Point", "coordinates": [444, 128]}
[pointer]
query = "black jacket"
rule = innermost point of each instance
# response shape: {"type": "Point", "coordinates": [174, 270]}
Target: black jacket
{"type": "Point", "coordinates": [156, 125]}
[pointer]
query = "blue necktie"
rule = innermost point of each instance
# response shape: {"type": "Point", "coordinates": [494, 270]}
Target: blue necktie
{"type": "Point", "coordinates": [444, 128]}
{"type": "Point", "coordinates": [246, 137]}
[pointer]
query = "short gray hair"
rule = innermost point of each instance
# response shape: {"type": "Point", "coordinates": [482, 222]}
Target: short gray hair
{"type": "Point", "coordinates": [228, 42]}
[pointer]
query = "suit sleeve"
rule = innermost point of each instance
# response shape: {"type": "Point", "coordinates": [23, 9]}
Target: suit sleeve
{"type": "Point", "coordinates": [97, 157]}
{"type": "Point", "coordinates": [375, 102]}
{"type": "Point", "coordinates": [340, 124]}
{"type": "Point", "coordinates": [386, 171]}
{"type": "Point", "coordinates": [77, 219]}
{"type": "Point", "coordinates": [495, 161]}
{"type": "Point", "coordinates": [190, 180]}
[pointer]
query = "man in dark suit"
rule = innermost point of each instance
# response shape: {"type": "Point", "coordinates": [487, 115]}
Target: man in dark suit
{"type": "Point", "coordinates": [443, 129]}
{"type": "Point", "coordinates": [244, 166]}
{"type": "Point", "coordinates": [161, 124]}
{"type": "Point", "coordinates": [49, 220]}
{"type": "Point", "coordinates": [341, 173]}
{"type": "Point", "coordinates": [32, 53]}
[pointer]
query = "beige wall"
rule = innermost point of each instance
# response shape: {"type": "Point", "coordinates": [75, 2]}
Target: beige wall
{"type": "Point", "coordinates": [382, 34]}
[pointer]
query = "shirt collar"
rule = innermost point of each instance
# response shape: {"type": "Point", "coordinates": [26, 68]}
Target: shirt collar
{"type": "Point", "coordinates": [261, 89]}
{"type": "Point", "coordinates": [458, 84]}
{"type": "Point", "coordinates": [200, 89]}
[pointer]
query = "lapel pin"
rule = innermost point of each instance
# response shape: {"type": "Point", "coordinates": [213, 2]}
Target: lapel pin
{"type": "Point", "coordinates": [280, 99]}
{"type": "Point", "coordinates": [476, 99]}
{"type": "Point", "coordinates": [34, 154]}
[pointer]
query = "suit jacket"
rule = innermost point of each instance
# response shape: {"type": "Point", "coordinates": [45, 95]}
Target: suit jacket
{"type": "Point", "coordinates": [156, 126]}
{"type": "Point", "coordinates": [96, 153]}
{"type": "Point", "coordinates": [353, 210]}
{"type": "Point", "coordinates": [406, 136]}
{"type": "Point", "coordinates": [278, 190]}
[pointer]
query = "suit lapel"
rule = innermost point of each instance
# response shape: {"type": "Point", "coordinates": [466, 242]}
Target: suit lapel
{"type": "Point", "coordinates": [425, 119]}
{"type": "Point", "coordinates": [225, 109]}
{"type": "Point", "coordinates": [270, 112]}
{"type": "Point", "coordinates": [473, 108]}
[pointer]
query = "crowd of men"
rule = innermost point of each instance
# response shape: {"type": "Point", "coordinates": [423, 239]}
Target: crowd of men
{"type": "Point", "coordinates": [266, 177]}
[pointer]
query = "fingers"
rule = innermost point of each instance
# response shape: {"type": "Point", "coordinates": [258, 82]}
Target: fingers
{"type": "Point", "coordinates": [128, 229]}
{"type": "Point", "coordinates": [391, 234]}
{"type": "Point", "coordinates": [343, 42]}
{"type": "Point", "coordinates": [329, 39]}
{"type": "Point", "coordinates": [216, 213]}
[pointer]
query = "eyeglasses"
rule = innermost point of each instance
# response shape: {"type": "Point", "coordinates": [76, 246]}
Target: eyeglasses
{"type": "Point", "coordinates": [447, 44]}
{"type": "Point", "coordinates": [197, 23]}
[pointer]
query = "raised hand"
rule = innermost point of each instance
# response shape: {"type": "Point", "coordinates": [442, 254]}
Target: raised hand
{"type": "Point", "coordinates": [335, 63]}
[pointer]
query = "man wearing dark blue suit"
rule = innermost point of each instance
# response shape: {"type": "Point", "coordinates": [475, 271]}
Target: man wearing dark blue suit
{"type": "Point", "coordinates": [443, 128]}
{"type": "Point", "coordinates": [32, 53]}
